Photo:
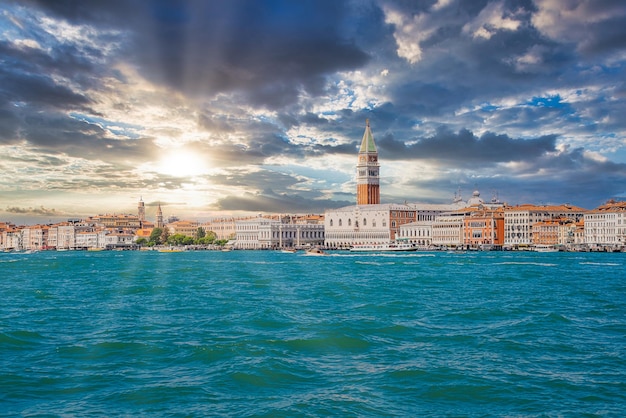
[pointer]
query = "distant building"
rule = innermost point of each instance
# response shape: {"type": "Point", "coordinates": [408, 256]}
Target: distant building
{"type": "Point", "coordinates": [187, 228]}
{"type": "Point", "coordinates": [605, 226]}
{"type": "Point", "coordinates": [223, 228]}
{"type": "Point", "coordinates": [484, 227]}
{"type": "Point", "coordinates": [553, 232]}
{"type": "Point", "coordinates": [519, 220]}
{"type": "Point", "coordinates": [448, 229]}
{"type": "Point", "coordinates": [116, 221]}
{"type": "Point", "coordinates": [419, 233]}
{"type": "Point", "coordinates": [279, 232]}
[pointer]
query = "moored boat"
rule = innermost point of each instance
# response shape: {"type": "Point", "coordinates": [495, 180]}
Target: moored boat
{"type": "Point", "coordinates": [315, 251]}
{"type": "Point", "coordinates": [170, 250]}
{"type": "Point", "coordinates": [389, 246]}
{"type": "Point", "coordinates": [546, 249]}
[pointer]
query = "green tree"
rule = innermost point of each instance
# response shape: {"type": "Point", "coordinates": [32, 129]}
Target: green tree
{"type": "Point", "coordinates": [208, 238]}
{"type": "Point", "coordinates": [176, 239]}
{"type": "Point", "coordinates": [201, 233]}
{"type": "Point", "coordinates": [155, 236]}
{"type": "Point", "coordinates": [141, 241]}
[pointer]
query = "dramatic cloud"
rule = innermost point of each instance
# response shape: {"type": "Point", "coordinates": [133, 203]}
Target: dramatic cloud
{"type": "Point", "coordinates": [40, 211]}
{"type": "Point", "coordinates": [254, 106]}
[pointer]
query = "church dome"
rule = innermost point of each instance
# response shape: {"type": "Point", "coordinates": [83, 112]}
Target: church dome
{"type": "Point", "coordinates": [475, 200]}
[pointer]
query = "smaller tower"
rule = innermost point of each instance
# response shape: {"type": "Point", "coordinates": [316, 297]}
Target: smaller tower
{"type": "Point", "coordinates": [141, 211]}
{"type": "Point", "coordinates": [159, 217]}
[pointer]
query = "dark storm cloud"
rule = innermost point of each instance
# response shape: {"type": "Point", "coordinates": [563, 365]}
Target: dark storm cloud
{"type": "Point", "coordinates": [56, 133]}
{"type": "Point", "coordinates": [284, 56]}
{"type": "Point", "coordinates": [566, 176]}
{"type": "Point", "coordinates": [466, 148]}
{"type": "Point", "coordinates": [256, 180]}
{"type": "Point", "coordinates": [269, 201]}
{"type": "Point", "coordinates": [266, 197]}
{"type": "Point", "coordinates": [40, 211]}
{"type": "Point", "coordinates": [458, 69]}
{"type": "Point", "coordinates": [271, 51]}
{"type": "Point", "coordinates": [29, 88]}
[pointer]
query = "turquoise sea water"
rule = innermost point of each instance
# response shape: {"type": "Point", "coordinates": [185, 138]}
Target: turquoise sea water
{"type": "Point", "coordinates": [259, 333]}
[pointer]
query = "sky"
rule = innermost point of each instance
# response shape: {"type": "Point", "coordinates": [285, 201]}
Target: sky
{"type": "Point", "coordinates": [229, 107]}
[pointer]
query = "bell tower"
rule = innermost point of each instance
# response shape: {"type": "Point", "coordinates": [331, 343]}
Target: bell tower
{"type": "Point", "coordinates": [367, 170]}
{"type": "Point", "coordinates": [141, 211]}
{"type": "Point", "coordinates": [159, 217]}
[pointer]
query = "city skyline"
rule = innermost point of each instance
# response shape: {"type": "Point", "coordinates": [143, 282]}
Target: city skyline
{"type": "Point", "coordinates": [259, 106]}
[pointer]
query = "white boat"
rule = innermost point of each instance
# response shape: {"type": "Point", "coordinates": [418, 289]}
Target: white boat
{"type": "Point", "coordinates": [546, 249]}
{"type": "Point", "coordinates": [289, 250]}
{"type": "Point", "coordinates": [315, 251]}
{"type": "Point", "coordinates": [389, 246]}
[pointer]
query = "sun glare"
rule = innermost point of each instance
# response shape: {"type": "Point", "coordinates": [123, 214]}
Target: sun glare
{"type": "Point", "coordinates": [182, 164]}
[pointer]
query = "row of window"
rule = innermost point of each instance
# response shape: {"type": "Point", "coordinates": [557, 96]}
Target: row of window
{"type": "Point", "coordinates": [356, 223]}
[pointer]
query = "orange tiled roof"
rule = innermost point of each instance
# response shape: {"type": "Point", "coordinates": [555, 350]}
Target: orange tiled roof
{"type": "Point", "coordinates": [545, 208]}
{"type": "Point", "coordinates": [611, 206]}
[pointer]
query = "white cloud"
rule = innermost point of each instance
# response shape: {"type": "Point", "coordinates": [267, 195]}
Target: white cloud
{"type": "Point", "coordinates": [409, 32]}
{"type": "Point", "coordinates": [490, 20]}
{"type": "Point", "coordinates": [27, 43]}
{"type": "Point", "coordinates": [530, 61]}
{"type": "Point", "coordinates": [566, 20]}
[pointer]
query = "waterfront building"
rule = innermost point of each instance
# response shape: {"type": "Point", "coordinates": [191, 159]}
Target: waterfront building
{"type": "Point", "coordinates": [605, 226]}
{"type": "Point", "coordinates": [4, 227]}
{"type": "Point", "coordinates": [35, 237]}
{"type": "Point", "coordinates": [365, 224]}
{"type": "Point", "coordinates": [116, 240]}
{"type": "Point", "coordinates": [12, 238]}
{"type": "Point", "coordinates": [223, 228]}
{"type": "Point", "coordinates": [447, 229]}
{"type": "Point", "coordinates": [484, 227]}
{"type": "Point", "coordinates": [116, 221]}
{"type": "Point", "coordinates": [24, 239]}
{"type": "Point", "coordinates": [143, 233]}
{"type": "Point", "coordinates": [579, 233]}
{"type": "Point", "coordinates": [417, 233]}
{"type": "Point", "coordinates": [66, 236]}
{"type": "Point", "coordinates": [367, 170]}
{"type": "Point", "coordinates": [186, 228]}
{"type": "Point", "coordinates": [553, 232]}
{"type": "Point", "coordinates": [52, 236]}
{"type": "Point", "coordinates": [278, 232]}
{"type": "Point", "coordinates": [518, 220]}
{"type": "Point", "coordinates": [86, 239]}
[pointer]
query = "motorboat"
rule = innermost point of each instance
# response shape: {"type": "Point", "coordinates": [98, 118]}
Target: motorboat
{"type": "Point", "coordinates": [389, 246]}
{"type": "Point", "coordinates": [315, 251]}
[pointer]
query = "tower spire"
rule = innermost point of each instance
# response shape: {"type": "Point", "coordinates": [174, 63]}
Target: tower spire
{"type": "Point", "coordinates": [367, 170]}
{"type": "Point", "coordinates": [141, 211]}
{"type": "Point", "coordinates": [159, 217]}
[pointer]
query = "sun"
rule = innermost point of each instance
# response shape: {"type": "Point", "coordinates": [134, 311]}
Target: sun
{"type": "Point", "coordinates": [182, 164]}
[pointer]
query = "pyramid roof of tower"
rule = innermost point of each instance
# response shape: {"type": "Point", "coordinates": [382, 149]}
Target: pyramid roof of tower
{"type": "Point", "coordinates": [367, 143]}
